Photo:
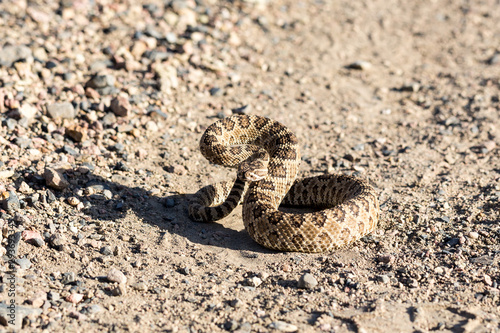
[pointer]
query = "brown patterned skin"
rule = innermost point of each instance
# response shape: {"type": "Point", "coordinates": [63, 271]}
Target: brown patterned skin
{"type": "Point", "coordinates": [267, 156]}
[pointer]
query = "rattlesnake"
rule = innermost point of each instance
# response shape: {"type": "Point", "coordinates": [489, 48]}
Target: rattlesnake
{"type": "Point", "coordinates": [267, 156]}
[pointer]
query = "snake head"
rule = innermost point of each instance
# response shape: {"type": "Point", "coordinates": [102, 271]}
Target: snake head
{"type": "Point", "coordinates": [252, 175]}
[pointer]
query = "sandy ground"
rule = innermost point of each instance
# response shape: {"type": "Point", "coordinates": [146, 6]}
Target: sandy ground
{"type": "Point", "coordinates": [404, 94]}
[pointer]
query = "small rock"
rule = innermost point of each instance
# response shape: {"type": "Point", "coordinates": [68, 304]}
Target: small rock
{"type": "Point", "coordinates": [28, 111]}
{"type": "Point", "coordinates": [94, 308]}
{"type": "Point", "coordinates": [92, 93]}
{"type": "Point", "coordinates": [283, 327]}
{"type": "Point", "coordinates": [6, 174]}
{"type": "Point", "coordinates": [236, 303]}
{"type": "Point", "coordinates": [439, 270]}
{"type": "Point", "coordinates": [140, 286]}
{"type": "Point", "coordinates": [216, 91]}
{"type": "Point", "coordinates": [61, 110]}
{"type": "Point", "coordinates": [11, 203]}
{"type": "Point", "coordinates": [120, 106]}
{"type": "Point", "coordinates": [9, 54]}
{"type": "Point", "coordinates": [33, 238]}
{"type": "Point", "coordinates": [495, 59]}
{"type": "Point", "coordinates": [412, 87]}
{"type": "Point", "coordinates": [231, 325]}
{"type": "Point", "coordinates": [55, 179]}
{"type": "Point", "coordinates": [57, 241]}
{"type": "Point", "coordinates": [253, 282]}
{"type": "Point", "coordinates": [24, 263]}
{"type": "Point", "coordinates": [77, 132]}
{"type": "Point", "coordinates": [68, 278]}
{"type": "Point", "coordinates": [53, 296]}
{"type": "Point", "coordinates": [115, 275]}
{"type": "Point", "coordinates": [22, 142]}
{"type": "Point", "coordinates": [107, 194]}
{"type": "Point", "coordinates": [473, 235]}
{"type": "Point", "coordinates": [74, 298]}
{"type": "Point", "coordinates": [151, 126]}
{"type": "Point", "coordinates": [244, 328]}
{"type": "Point", "coordinates": [384, 279]}
{"type": "Point", "coordinates": [489, 145]}
{"type": "Point", "coordinates": [119, 290]}
{"type": "Point", "coordinates": [385, 258]}
{"type": "Point", "coordinates": [360, 65]}
{"type": "Point", "coordinates": [169, 202]}
{"type": "Point", "coordinates": [101, 81]}
{"type": "Point", "coordinates": [24, 188]}
{"type": "Point", "coordinates": [487, 280]}
{"type": "Point", "coordinates": [140, 153]}
{"type": "Point", "coordinates": [73, 201]}
{"type": "Point", "coordinates": [307, 281]}
{"type": "Point", "coordinates": [242, 109]}
{"type": "Point", "coordinates": [106, 250]}
{"type": "Point", "coordinates": [178, 169]}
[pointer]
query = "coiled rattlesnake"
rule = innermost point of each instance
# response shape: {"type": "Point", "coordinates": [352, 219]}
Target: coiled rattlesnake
{"type": "Point", "coordinates": [267, 156]}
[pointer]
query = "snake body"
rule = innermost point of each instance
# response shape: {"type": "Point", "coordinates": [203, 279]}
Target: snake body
{"type": "Point", "coordinates": [267, 156]}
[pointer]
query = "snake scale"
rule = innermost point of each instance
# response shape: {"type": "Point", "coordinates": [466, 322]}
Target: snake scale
{"type": "Point", "coordinates": [267, 157]}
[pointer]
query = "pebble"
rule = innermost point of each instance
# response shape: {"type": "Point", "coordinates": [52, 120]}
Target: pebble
{"type": "Point", "coordinates": [74, 298]}
{"type": "Point", "coordinates": [244, 328]}
{"type": "Point", "coordinates": [57, 241]}
{"type": "Point", "coordinates": [242, 109]}
{"type": "Point", "coordinates": [151, 126]}
{"type": "Point", "coordinates": [252, 282]}
{"type": "Point", "coordinates": [473, 235]}
{"type": "Point", "coordinates": [231, 325]}
{"type": "Point", "coordinates": [411, 87]}
{"type": "Point", "coordinates": [119, 290]}
{"type": "Point", "coordinates": [63, 110]}
{"type": "Point", "coordinates": [55, 179]}
{"type": "Point", "coordinates": [216, 91]}
{"type": "Point", "coordinates": [384, 279]}
{"type": "Point", "coordinates": [77, 133]}
{"type": "Point", "coordinates": [28, 111]}
{"type": "Point", "coordinates": [140, 286]}
{"type": "Point", "coordinates": [6, 174]}
{"type": "Point", "coordinates": [385, 258]}
{"type": "Point", "coordinates": [24, 263]}
{"type": "Point", "coordinates": [53, 296]}
{"type": "Point", "coordinates": [178, 169]}
{"type": "Point", "coordinates": [487, 280]}
{"type": "Point", "coordinates": [11, 203]}
{"type": "Point", "coordinates": [73, 201]}
{"type": "Point", "coordinates": [236, 303]}
{"type": "Point", "coordinates": [68, 278]}
{"type": "Point", "coordinates": [121, 106]}
{"type": "Point", "coordinates": [100, 82]}
{"type": "Point", "coordinates": [169, 202]}
{"type": "Point", "coordinates": [94, 308]}
{"type": "Point", "coordinates": [489, 145]}
{"type": "Point", "coordinates": [495, 59]}
{"type": "Point", "coordinates": [283, 326]}
{"type": "Point", "coordinates": [106, 250]}
{"type": "Point", "coordinates": [360, 65]}
{"type": "Point", "coordinates": [33, 238]}
{"type": "Point", "coordinates": [115, 275]}
{"type": "Point", "coordinates": [12, 53]}
{"type": "Point", "coordinates": [307, 281]}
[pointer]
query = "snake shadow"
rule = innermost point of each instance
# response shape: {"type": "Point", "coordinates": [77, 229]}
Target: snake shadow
{"type": "Point", "coordinates": [168, 213]}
